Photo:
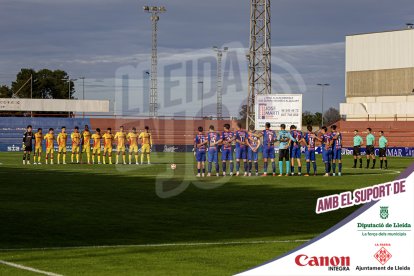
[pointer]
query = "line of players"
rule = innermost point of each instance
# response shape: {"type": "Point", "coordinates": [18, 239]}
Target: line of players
{"type": "Point", "coordinates": [248, 144]}
{"type": "Point", "coordinates": [81, 143]}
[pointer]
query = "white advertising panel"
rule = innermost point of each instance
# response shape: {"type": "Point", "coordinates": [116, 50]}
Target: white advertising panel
{"type": "Point", "coordinates": [278, 109]}
{"type": "Point", "coordinates": [11, 104]}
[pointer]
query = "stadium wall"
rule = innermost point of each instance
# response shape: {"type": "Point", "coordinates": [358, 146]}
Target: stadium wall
{"type": "Point", "coordinates": [379, 76]}
{"type": "Point", "coordinates": [178, 135]}
{"type": "Point", "coordinates": [168, 134]}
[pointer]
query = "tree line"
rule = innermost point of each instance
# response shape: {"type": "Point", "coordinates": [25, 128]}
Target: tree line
{"type": "Point", "coordinates": [330, 116]}
{"type": "Point", "coordinates": [41, 84]}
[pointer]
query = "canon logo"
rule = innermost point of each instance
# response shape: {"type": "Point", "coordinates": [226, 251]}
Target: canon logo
{"type": "Point", "coordinates": [304, 260]}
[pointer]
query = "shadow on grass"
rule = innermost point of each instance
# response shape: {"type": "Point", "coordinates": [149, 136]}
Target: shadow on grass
{"type": "Point", "coordinates": [63, 208]}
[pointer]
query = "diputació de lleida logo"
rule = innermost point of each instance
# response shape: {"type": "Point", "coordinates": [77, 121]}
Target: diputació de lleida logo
{"type": "Point", "coordinates": [384, 212]}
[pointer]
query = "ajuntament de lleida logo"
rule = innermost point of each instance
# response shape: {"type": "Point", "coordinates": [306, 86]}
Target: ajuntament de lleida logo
{"type": "Point", "coordinates": [384, 212]}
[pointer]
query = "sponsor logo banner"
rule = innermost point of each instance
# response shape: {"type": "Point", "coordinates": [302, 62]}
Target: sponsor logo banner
{"type": "Point", "coordinates": [278, 109]}
{"type": "Point", "coordinates": [377, 239]}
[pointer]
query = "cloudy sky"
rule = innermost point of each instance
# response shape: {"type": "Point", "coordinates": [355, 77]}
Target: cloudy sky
{"type": "Point", "coordinates": [109, 42]}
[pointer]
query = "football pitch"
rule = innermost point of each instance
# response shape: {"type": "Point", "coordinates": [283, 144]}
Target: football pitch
{"type": "Point", "coordinates": [151, 220]}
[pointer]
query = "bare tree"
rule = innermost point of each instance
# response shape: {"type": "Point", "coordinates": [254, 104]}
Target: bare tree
{"type": "Point", "coordinates": [331, 116]}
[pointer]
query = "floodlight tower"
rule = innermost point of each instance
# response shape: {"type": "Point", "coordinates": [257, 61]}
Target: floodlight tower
{"type": "Point", "coordinates": [259, 55]}
{"type": "Point", "coordinates": [153, 104]}
{"type": "Point", "coordinates": [219, 81]}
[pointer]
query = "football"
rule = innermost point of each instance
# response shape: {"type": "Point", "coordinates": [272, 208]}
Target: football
{"type": "Point", "coordinates": [173, 166]}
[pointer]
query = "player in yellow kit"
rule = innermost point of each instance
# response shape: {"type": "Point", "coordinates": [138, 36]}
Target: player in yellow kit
{"type": "Point", "coordinates": [146, 144]}
{"type": "Point", "coordinates": [120, 138]}
{"type": "Point", "coordinates": [38, 146]}
{"type": "Point", "coordinates": [96, 149]}
{"type": "Point", "coordinates": [50, 138]}
{"type": "Point", "coordinates": [62, 140]}
{"type": "Point", "coordinates": [132, 138]}
{"type": "Point", "coordinates": [108, 139]}
{"type": "Point", "coordinates": [86, 143]}
{"type": "Point", "coordinates": [76, 140]}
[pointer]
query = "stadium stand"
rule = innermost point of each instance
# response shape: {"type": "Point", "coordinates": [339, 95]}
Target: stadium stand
{"type": "Point", "coordinates": [12, 128]}
{"type": "Point", "coordinates": [181, 132]}
{"type": "Point", "coordinates": [165, 131]}
{"type": "Point", "coordinates": [398, 133]}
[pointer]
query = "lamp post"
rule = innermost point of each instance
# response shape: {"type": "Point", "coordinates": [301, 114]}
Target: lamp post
{"type": "Point", "coordinates": [323, 85]}
{"type": "Point", "coordinates": [219, 81]}
{"type": "Point", "coordinates": [202, 98]}
{"type": "Point", "coordinates": [69, 80]}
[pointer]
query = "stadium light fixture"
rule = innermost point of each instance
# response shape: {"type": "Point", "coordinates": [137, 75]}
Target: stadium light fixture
{"type": "Point", "coordinates": [153, 102]}
{"type": "Point", "coordinates": [219, 81]}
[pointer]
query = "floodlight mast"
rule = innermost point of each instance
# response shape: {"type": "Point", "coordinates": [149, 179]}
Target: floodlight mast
{"type": "Point", "coordinates": [153, 104]}
{"type": "Point", "coordinates": [219, 81]}
{"type": "Point", "coordinates": [259, 56]}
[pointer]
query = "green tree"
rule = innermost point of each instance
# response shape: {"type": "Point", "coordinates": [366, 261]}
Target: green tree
{"type": "Point", "coordinates": [47, 84]}
{"type": "Point", "coordinates": [21, 86]}
{"type": "Point", "coordinates": [53, 85]}
{"type": "Point", "coordinates": [317, 121]}
{"type": "Point", "coordinates": [307, 118]}
{"type": "Point", "coordinates": [243, 112]}
{"type": "Point", "coordinates": [5, 92]}
{"type": "Point", "coordinates": [43, 84]}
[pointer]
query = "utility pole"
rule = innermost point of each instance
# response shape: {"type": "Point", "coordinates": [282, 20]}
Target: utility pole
{"type": "Point", "coordinates": [83, 93]}
{"type": "Point", "coordinates": [154, 11]}
{"type": "Point", "coordinates": [69, 80]}
{"type": "Point", "coordinates": [202, 98]}
{"type": "Point", "coordinates": [259, 56]}
{"type": "Point", "coordinates": [219, 81]}
{"type": "Point", "coordinates": [31, 91]}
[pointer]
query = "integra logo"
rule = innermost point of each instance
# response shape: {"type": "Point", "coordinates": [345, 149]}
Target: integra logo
{"type": "Point", "coordinates": [333, 263]}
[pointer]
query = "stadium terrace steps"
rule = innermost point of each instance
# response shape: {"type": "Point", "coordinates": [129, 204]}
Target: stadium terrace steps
{"type": "Point", "coordinates": [398, 133]}
{"type": "Point", "coordinates": [165, 132]}
{"type": "Point", "coordinates": [182, 132]}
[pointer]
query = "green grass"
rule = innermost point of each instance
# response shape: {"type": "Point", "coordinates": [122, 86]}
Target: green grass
{"type": "Point", "coordinates": [52, 216]}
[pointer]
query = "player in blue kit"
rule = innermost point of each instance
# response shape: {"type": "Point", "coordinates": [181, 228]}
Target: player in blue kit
{"type": "Point", "coordinates": [285, 139]}
{"type": "Point", "coordinates": [226, 139]}
{"type": "Point", "coordinates": [241, 148]}
{"type": "Point", "coordinates": [253, 143]}
{"type": "Point", "coordinates": [213, 138]}
{"type": "Point", "coordinates": [336, 150]}
{"type": "Point", "coordinates": [310, 140]}
{"type": "Point", "coordinates": [295, 152]}
{"type": "Point", "coordinates": [326, 144]}
{"type": "Point", "coordinates": [268, 148]}
{"type": "Point", "coordinates": [200, 142]}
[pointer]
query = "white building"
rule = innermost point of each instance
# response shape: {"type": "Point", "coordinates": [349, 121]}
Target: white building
{"type": "Point", "coordinates": [379, 76]}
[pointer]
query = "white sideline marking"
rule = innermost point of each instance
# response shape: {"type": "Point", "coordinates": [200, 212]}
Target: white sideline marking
{"type": "Point", "coordinates": [155, 245]}
{"type": "Point", "coordinates": [383, 172]}
{"type": "Point", "coordinates": [29, 268]}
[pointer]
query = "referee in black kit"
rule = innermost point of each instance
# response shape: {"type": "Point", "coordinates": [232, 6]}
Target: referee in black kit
{"type": "Point", "coordinates": [28, 137]}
